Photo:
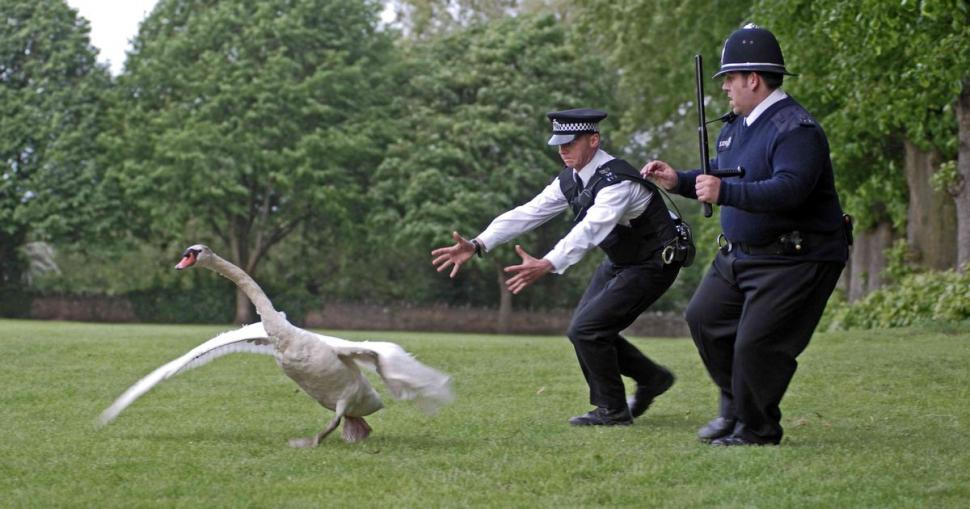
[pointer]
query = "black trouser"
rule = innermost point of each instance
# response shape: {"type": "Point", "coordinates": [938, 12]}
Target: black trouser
{"type": "Point", "coordinates": [615, 297]}
{"type": "Point", "coordinates": [750, 317]}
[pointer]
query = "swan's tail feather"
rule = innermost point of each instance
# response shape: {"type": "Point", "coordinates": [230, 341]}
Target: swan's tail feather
{"type": "Point", "coordinates": [409, 379]}
{"type": "Point", "coordinates": [251, 338]}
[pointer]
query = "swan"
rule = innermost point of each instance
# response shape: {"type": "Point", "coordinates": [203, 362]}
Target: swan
{"type": "Point", "coordinates": [326, 368]}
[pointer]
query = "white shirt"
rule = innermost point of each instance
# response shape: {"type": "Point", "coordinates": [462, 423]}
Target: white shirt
{"type": "Point", "coordinates": [615, 204]}
{"type": "Point", "coordinates": [775, 96]}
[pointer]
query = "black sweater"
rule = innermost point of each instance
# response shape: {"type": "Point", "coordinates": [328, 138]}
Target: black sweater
{"type": "Point", "coordinates": [788, 182]}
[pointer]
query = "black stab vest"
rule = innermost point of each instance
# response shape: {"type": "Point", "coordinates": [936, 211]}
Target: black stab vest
{"type": "Point", "coordinates": [647, 234]}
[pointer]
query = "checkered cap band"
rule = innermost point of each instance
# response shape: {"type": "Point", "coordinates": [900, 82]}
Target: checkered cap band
{"type": "Point", "coordinates": [573, 127]}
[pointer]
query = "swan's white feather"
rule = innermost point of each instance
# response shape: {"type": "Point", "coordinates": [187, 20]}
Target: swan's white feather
{"type": "Point", "coordinates": [406, 377]}
{"type": "Point", "coordinates": [245, 339]}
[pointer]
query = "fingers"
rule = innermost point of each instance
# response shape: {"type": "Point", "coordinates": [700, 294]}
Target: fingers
{"type": "Point", "coordinates": [521, 279]}
{"type": "Point", "coordinates": [449, 249]}
{"type": "Point", "coordinates": [707, 188]}
{"type": "Point", "coordinates": [521, 252]}
{"type": "Point", "coordinates": [441, 265]}
{"type": "Point", "coordinates": [660, 173]}
{"type": "Point", "coordinates": [517, 283]}
{"type": "Point", "coordinates": [446, 263]}
{"type": "Point", "coordinates": [653, 167]}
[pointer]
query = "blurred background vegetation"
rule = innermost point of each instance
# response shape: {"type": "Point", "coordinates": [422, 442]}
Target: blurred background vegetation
{"type": "Point", "coordinates": [327, 151]}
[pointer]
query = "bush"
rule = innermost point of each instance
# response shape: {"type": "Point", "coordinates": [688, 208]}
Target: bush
{"type": "Point", "coordinates": [192, 299]}
{"type": "Point", "coordinates": [927, 296]}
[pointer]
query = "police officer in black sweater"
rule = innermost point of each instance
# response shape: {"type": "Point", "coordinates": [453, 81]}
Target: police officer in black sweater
{"type": "Point", "coordinates": [783, 244]}
{"type": "Point", "coordinates": [623, 214]}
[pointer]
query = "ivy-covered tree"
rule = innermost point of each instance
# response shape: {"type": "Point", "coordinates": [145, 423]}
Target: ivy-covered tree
{"type": "Point", "coordinates": [245, 121]}
{"type": "Point", "coordinates": [52, 97]}
{"type": "Point", "coordinates": [474, 139]}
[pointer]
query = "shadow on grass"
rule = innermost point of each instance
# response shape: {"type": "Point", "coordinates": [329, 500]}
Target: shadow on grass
{"type": "Point", "coordinates": [424, 441]}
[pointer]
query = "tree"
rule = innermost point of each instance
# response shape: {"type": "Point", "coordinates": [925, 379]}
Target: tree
{"type": "Point", "coordinates": [423, 19]}
{"type": "Point", "coordinates": [473, 142]}
{"type": "Point", "coordinates": [652, 43]}
{"type": "Point", "coordinates": [892, 80]}
{"type": "Point", "coordinates": [244, 121]}
{"type": "Point", "coordinates": [52, 95]}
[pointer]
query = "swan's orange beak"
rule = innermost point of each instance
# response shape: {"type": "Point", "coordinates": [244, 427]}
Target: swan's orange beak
{"type": "Point", "coordinates": [188, 260]}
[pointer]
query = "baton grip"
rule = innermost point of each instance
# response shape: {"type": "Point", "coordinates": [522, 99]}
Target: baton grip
{"type": "Point", "coordinates": [727, 172]}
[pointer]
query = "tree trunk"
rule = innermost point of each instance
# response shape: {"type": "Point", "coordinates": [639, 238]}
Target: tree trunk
{"type": "Point", "coordinates": [504, 302]}
{"type": "Point", "coordinates": [931, 227]}
{"type": "Point", "coordinates": [868, 260]}
{"type": "Point", "coordinates": [244, 309]}
{"type": "Point", "coordinates": [961, 190]}
{"type": "Point", "coordinates": [245, 313]}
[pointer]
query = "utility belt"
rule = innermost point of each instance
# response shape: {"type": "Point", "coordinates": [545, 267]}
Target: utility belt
{"type": "Point", "coordinates": [793, 243]}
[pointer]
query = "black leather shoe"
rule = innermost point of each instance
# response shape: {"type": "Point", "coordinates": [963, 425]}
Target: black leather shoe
{"type": "Point", "coordinates": [645, 394]}
{"type": "Point", "coordinates": [733, 439]}
{"type": "Point", "coordinates": [717, 428]}
{"type": "Point", "coordinates": [603, 417]}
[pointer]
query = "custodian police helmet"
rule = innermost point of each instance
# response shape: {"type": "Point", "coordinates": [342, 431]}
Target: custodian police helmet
{"type": "Point", "coordinates": [752, 48]}
{"type": "Point", "coordinates": [567, 124]}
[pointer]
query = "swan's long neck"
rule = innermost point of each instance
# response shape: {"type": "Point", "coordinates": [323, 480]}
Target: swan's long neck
{"type": "Point", "coordinates": [272, 319]}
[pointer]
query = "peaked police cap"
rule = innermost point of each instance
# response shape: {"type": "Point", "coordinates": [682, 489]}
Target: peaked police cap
{"type": "Point", "coordinates": [752, 48]}
{"type": "Point", "coordinates": [567, 124]}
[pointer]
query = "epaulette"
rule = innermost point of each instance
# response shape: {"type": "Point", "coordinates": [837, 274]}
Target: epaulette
{"type": "Point", "coordinates": [807, 121]}
{"type": "Point", "coordinates": [606, 174]}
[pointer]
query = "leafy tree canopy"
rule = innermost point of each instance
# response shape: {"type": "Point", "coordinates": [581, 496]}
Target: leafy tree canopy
{"type": "Point", "coordinates": [51, 90]}
{"type": "Point", "coordinates": [652, 44]}
{"type": "Point", "coordinates": [474, 139]}
{"type": "Point", "coordinates": [245, 120]}
{"type": "Point", "coordinates": [877, 72]}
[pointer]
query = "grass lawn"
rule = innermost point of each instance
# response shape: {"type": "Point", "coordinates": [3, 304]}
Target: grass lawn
{"type": "Point", "coordinates": [872, 419]}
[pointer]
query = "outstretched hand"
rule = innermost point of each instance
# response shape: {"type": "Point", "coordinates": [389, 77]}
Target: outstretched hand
{"type": "Point", "coordinates": [660, 173]}
{"type": "Point", "coordinates": [528, 272]}
{"type": "Point", "coordinates": [455, 255]}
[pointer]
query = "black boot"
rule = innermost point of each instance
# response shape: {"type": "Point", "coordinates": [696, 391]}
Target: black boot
{"type": "Point", "coordinates": [645, 394]}
{"type": "Point", "coordinates": [603, 417]}
{"type": "Point", "coordinates": [717, 428]}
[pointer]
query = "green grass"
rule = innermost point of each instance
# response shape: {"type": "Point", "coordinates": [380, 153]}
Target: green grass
{"type": "Point", "coordinates": [872, 419]}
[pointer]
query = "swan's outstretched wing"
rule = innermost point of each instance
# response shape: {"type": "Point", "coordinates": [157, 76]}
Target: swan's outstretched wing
{"type": "Point", "coordinates": [405, 376]}
{"type": "Point", "coordinates": [251, 338]}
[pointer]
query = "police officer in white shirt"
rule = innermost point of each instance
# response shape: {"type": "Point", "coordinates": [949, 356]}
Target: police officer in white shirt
{"type": "Point", "coordinates": [623, 214]}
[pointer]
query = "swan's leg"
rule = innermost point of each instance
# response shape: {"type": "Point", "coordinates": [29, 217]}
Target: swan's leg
{"type": "Point", "coordinates": [355, 429]}
{"type": "Point", "coordinates": [332, 425]}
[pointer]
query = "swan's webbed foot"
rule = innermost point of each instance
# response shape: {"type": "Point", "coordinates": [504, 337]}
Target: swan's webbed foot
{"type": "Point", "coordinates": [308, 442]}
{"type": "Point", "coordinates": [304, 442]}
